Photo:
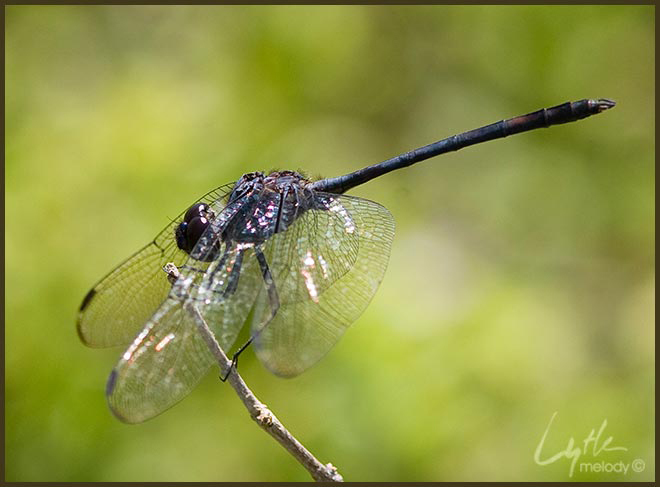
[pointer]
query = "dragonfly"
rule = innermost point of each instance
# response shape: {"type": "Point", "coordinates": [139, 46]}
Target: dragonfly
{"type": "Point", "coordinates": [296, 260]}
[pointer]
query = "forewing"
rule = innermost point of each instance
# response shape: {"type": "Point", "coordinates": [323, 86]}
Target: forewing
{"type": "Point", "coordinates": [164, 363]}
{"type": "Point", "coordinates": [224, 309]}
{"type": "Point", "coordinates": [169, 357]}
{"type": "Point", "coordinates": [119, 305]}
{"type": "Point", "coordinates": [327, 266]}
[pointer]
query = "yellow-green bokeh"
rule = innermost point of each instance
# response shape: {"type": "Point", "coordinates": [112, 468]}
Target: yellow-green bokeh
{"type": "Point", "coordinates": [521, 281]}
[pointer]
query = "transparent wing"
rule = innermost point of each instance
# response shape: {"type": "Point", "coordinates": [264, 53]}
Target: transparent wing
{"type": "Point", "coordinates": [119, 305]}
{"type": "Point", "coordinates": [326, 268]}
{"type": "Point", "coordinates": [169, 357]}
{"type": "Point", "coordinates": [164, 363]}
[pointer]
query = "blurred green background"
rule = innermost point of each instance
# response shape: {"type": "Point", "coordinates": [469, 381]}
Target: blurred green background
{"type": "Point", "coordinates": [521, 281]}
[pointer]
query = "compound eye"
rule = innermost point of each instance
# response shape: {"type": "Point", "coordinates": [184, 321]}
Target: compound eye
{"type": "Point", "coordinates": [196, 210]}
{"type": "Point", "coordinates": [181, 235]}
{"type": "Point", "coordinates": [196, 227]}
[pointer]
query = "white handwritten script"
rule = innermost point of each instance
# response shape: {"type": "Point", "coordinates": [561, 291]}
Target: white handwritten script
{"type": "Point", "coordinates": [593, 443]}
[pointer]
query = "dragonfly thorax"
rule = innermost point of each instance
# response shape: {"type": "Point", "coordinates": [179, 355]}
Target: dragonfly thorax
{"type": "Point", "coordinates": [277, 181]}
{"type": "Point", "coordinates": [258, 206]}
{"type": "Point", "coordinates": [266, 204]}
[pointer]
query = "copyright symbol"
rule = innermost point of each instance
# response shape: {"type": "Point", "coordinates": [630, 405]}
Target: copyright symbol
{"type": "Point", "coordinates": [638, 465]}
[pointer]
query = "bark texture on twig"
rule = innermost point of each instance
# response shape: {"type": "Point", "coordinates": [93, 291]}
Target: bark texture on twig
{"type": "Point", "coordinates": [260, 413]}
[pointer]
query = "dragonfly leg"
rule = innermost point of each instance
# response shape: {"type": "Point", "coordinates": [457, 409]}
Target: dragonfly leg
{"type": "Point", "coordinates": [274, 301]}
{"type": "Point", "coordinates": [234, 275]}
{"type": "Point", "coordinates": [232, 281]}
{"type": "Point", "coordinates": [280, 211]}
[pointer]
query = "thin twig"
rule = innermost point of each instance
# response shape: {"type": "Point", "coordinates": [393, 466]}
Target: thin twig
{"type": "Point", "coordinates": [260, 413]}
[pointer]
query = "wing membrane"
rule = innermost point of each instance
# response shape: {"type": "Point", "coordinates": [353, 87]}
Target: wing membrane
{"type": "Point", "coordinates": [169, 357]}
{"type": "Point", "coordinates": [119, 305]}
{"type": "Point", "coordinates": [166, 360]}
{"type": "Point", "coordinates": [326, 267]}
